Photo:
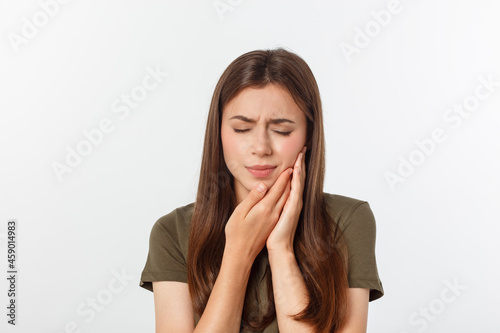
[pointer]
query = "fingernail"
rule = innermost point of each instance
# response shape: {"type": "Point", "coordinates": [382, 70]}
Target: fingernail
{"type": "Point", "coordinates": [261, 187]}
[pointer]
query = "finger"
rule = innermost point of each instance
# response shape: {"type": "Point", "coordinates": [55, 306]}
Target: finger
{"type": "Point", "coordinates": [302, 171]}
{"type": "Point", "coordinates": [284, 197]}
{"type": "Point", "coordinates": [298, 180]}
{"type": "Point", "coordinates": [253, 197]}
{"type": "Point", "coordinates": [298, 164]}
{"type": "Point", "coordinates": [278, 188]}
{"type": "Point", "coordinates": [298, 168]}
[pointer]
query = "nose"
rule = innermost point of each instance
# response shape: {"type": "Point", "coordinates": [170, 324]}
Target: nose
{"type": "Point", "coordinates": [260, 144]}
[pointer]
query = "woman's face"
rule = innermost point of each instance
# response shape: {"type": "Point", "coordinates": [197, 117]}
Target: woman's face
{"type": "Point", "coordinates": [274, 134]}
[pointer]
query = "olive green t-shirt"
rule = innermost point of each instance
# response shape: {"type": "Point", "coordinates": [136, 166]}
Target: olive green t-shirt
{"type": "Point", "coordinates": [168, 247]}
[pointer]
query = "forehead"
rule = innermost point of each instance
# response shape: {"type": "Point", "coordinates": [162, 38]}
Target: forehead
{"type": "Point", "coordinates": [271, 101]}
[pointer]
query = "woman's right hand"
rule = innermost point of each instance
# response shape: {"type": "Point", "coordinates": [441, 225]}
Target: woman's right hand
{"type": "Point", "coordinates": [255, 217]}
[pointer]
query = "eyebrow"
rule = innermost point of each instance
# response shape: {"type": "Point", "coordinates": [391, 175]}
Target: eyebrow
{"type": "Point", "coordinates": [272, 121]}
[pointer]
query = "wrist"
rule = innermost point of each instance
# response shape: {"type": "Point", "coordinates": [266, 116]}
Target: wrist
{"type": "Point", "coordinates": [282, 252]}
{"type": "Point", "coordinates": [280, 246]}
{"type": "Point", "coordinates": [235, 261]}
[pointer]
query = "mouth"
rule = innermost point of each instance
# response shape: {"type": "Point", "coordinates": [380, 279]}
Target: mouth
{"type": "Point", "coordinates": [261, 172]}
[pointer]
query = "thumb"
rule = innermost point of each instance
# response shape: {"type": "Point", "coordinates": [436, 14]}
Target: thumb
{"type": "Point", "coordinates": [252, 198]}
{"type": "Point", "coordinates": [261, 188]}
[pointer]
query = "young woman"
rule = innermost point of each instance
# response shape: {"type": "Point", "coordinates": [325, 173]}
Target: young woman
{"type": "Point", "coordinates": [263, 248]}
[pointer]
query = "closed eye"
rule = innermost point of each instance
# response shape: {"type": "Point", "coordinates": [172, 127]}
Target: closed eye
{"type": "Point", "coordinates": [246, 130]}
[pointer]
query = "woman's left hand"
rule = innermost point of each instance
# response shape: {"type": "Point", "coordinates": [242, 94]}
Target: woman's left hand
{"type": "Point", "coordinates": [281, 238]}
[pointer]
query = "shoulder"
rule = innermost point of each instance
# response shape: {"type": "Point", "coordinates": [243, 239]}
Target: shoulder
{"type": "Point", "coordinates": [341, 203]}
{"type": "Point", "coordinates": [179, 217]}
{"type": "Point", "coordinates": [173, 228]}
{"type": "Point", "coordinates": [344, 210]}
{"type": "Point", "coordinates": [341, 206]}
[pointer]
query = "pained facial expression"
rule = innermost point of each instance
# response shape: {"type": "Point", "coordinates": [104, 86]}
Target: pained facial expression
{"type": "Point", "coordinates": [263, 141]}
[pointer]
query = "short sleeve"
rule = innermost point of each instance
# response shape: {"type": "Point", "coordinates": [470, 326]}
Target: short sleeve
{"type": "Point", "coordinates": [166, 260]}
{"type": "Point", "coordinates": [360, 234]}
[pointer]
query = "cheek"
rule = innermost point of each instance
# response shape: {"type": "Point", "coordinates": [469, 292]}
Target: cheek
{"type": "Point", "coordinates": [289, 149]}
{"type": "Point", "coordinates": [229, 145]}
{"type": "Point", "coordinates": [234, 143]}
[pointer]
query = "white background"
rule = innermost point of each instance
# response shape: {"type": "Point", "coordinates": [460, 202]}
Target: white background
{"type": "Point", "coordinates": [76, 233]}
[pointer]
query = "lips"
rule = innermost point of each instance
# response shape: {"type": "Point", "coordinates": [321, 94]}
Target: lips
{"type": "Point", "coordinates": [261, 171]}
{"type": "Point", "coordinates": [262, 167]}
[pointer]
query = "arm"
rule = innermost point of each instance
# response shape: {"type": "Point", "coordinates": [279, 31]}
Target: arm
{"type": "Point", "coordinates": [291, 296]}
{"type": "Point", "coordinates": [357, 310]}
{"type": "Point", "coordinates": [173, 310]}
{"type": "Point", "coordinates": [290, 293]}
{"type": "Point", "coordinates": [246, 233]}
{"type": "Point", "coordinates": [225, 305]}
{"type": "Point", "coordinates": [289, 288]}
{"type": "Point", "coordinates": [173, 307]}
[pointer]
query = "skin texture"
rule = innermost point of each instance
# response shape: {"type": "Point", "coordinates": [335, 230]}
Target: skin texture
{"type": "Point", "coordinates": [260, 218]}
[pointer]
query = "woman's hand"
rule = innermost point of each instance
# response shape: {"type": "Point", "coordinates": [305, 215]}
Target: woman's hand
{"type": "Point", "coordinates": [255, 217]}
{"type": "Point", "coordinates": [282, 236]}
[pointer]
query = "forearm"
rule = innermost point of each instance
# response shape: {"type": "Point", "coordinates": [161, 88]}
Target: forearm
{"type": "Point", "coordinates": [225, 305]}
{"type": "Point", "coordinates": [290, 292]}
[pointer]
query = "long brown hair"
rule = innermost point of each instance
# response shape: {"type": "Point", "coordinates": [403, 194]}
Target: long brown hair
{"type": "Point", "coordinates": [319, 246]}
